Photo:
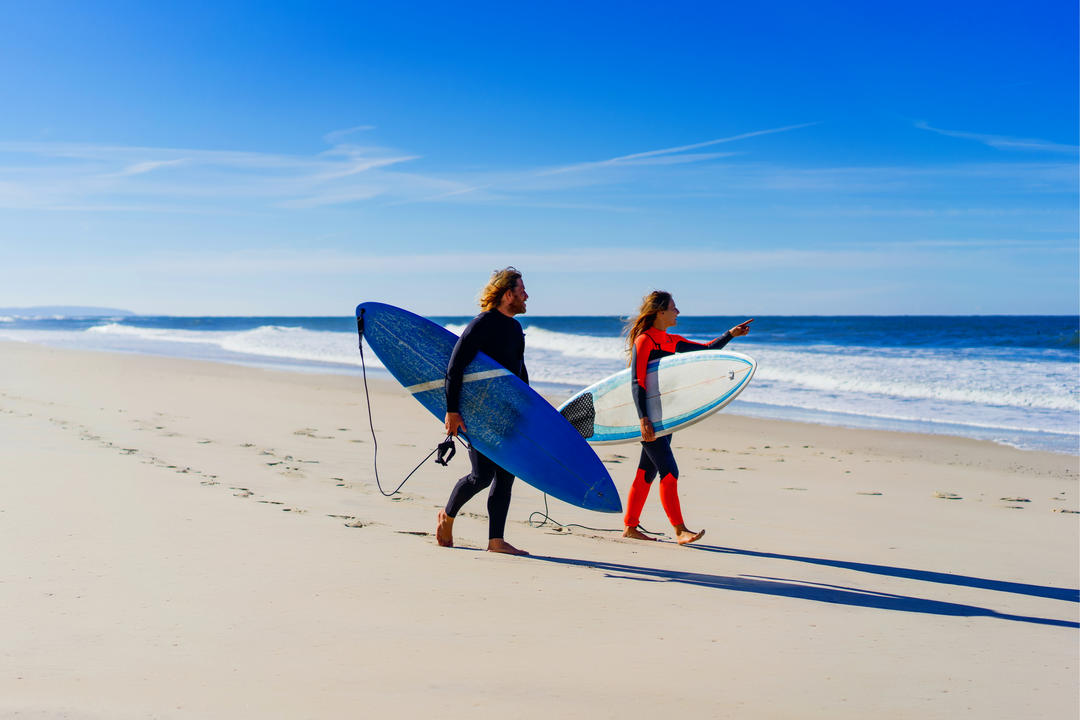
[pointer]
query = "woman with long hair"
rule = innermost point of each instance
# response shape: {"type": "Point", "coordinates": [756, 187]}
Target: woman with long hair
{"type": "Point", "coordinates": [647, 338]}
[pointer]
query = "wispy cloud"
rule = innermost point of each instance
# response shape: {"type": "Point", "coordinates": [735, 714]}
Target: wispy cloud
{"type": "Point", "coordinates": [1003, 142]}
{"type": "Point", "coordinates": [145, 167]}
{"type": "Point", "coordinates": [335, 136]}
{"type": "Point", "coordinates": [672, 152]}
{"type": "Point", "coordinates": [66, 175]}
{"type": "Point", "coordinates": [543, 179]}
{"type": "Point", "coordinates": [107, 178]}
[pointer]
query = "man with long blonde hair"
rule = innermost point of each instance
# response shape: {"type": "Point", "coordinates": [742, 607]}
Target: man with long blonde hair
{"type": "Point", "coordinates": [497, 334]}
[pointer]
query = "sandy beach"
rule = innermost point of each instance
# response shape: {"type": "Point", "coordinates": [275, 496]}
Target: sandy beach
{"type": "Point", "coordinates": [198, 540]}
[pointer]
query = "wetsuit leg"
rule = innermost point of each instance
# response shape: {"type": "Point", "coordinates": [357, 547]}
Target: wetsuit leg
{"type": "Point", "coordinates": [639, 491]}
{"type": "Point", "coordinates": [483, 472]}
{"type": "Point", "coordinates": [669, 498]}
{"type": "Point", "coordinates": [498, 503]}
{"type": "Point", "coordinates": [660, 454]}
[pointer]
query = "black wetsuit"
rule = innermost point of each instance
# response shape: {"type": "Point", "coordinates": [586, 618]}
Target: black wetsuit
{"type": "Point", "coordinates": [501, 338]}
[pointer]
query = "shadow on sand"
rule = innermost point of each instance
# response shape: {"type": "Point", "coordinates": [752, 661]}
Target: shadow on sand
{"type": "Point", "coordinates": [1043, 591]}
{"type": "Point", "coordinates": [816, 592]}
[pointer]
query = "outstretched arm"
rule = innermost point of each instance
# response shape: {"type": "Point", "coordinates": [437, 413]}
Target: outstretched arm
{"type": "Point", "coordinates": [684, 345]}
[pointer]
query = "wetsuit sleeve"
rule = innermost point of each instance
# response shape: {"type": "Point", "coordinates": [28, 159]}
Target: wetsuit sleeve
{"type": "Point", "coordinates": [684, 345]}
{"type": "Point", "coordinates": [464, 352]}
{"type": "Point", "coordinates": [639, 366]}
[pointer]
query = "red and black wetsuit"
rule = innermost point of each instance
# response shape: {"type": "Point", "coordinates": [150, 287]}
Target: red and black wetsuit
{"type": "Point", "coordinates": [656, 456]}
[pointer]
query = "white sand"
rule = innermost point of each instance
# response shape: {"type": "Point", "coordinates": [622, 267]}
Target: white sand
{"type": "Point", "coordinates": [177, 546]}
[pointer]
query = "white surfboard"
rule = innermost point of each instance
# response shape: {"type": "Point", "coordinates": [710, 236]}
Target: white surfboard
{"type": "Point", "coordinates": [681, 389]}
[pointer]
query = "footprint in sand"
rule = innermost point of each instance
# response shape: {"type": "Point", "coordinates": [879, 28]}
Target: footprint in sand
{"type": "Point", "coordinates": [310, 432]}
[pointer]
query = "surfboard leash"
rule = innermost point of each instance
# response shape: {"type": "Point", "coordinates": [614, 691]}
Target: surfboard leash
{"type": "Point", "coordinates": [445, 449]}
{"type": "Point", "coordinates": [545, 519]}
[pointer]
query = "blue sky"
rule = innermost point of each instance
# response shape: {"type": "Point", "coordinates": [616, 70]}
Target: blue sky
{"type": "Point", "coordinates": [299, 158]}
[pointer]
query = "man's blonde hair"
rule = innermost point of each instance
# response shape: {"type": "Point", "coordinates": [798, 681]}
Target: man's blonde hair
{"type": "Point", "coordinates": [501, 282]}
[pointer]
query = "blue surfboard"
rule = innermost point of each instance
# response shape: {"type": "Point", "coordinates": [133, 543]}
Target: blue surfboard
{"type": "Point", "coordinates": [508, 421]}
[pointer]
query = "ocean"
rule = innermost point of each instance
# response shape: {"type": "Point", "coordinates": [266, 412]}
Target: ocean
{"type": "Point", "coordinates": [1010, 379]}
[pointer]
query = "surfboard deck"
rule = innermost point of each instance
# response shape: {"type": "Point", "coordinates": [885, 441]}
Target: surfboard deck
{"type": "Point", "coordinates": [681, 389]}
{"type": "Point", "coordinates": [507, 420]}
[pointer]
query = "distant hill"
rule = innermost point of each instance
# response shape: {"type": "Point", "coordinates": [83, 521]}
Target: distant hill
{"type": "Point", "coordinates": [64, 311]}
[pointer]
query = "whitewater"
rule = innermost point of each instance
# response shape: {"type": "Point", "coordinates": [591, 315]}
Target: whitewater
{"type": "Point", "coordinates": [972, 377]}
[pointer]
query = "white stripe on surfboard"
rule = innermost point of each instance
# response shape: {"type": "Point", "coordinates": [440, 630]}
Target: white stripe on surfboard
{"type": "Point", "coordinates": [471, 377]}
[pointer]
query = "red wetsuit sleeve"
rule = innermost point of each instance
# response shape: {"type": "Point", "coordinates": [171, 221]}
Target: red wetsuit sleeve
{"type": "Point", "coordinates": [643, 346]}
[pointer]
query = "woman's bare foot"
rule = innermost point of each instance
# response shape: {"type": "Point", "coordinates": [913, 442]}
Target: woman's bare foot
{"type": "Point", "coordinates": [501, 546]}
{"type": "Point", "coordinates": [685, 537]}
{"type": "Point", "coordinates": [444, 531]}
{"type": "Point", "coordinates": [633, 532]}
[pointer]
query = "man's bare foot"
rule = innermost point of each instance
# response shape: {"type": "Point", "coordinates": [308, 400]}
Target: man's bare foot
{"type": "Point", "coordinates": [685, 537]}
{"type": "Point", "coordinates": [501, 546]}
{"type": "Point", "coordinates": [444, 532]}
{"type": "Point", "coordinates": [633, 532]}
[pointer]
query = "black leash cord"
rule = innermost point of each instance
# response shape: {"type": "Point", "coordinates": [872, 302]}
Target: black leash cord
{"type": "Point", "coordinates": [548, 519]}
{"type": "Point", "coordinates": [445, 448]}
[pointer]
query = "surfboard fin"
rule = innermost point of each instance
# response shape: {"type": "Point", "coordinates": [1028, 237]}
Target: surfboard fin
{"type": "Point", "coordinates": [581, 414]}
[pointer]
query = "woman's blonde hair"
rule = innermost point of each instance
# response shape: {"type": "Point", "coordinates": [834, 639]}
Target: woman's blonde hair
{"type": "Point", "coordinates": [651, 304]}
{"type": "Point", "coordinates": [501, 282]}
